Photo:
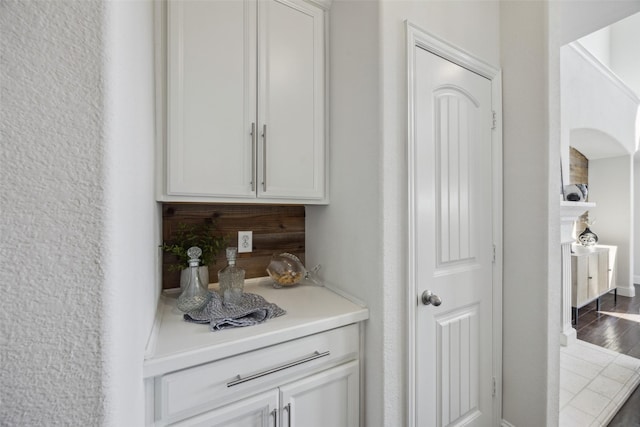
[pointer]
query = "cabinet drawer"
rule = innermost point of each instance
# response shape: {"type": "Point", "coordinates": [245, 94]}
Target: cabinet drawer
{"type": "Point", "coordinates": [194, 390]}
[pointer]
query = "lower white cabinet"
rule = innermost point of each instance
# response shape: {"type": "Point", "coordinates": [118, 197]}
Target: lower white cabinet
{"type": "Point", "coordinates": [309, 381]}
{"type": "Point", "coordinates": [255, 411]}
{"type": "Point", "coordinates": [591, 274]}
{"type": "Point", "coordinates": [328, 398]}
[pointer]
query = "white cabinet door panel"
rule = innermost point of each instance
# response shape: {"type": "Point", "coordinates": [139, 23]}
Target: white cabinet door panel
{"type": "Point", "coordinates": [256, 411]}
{"type": "Point", "coordinates": [603, 273]}
{"type": "Point", "coordinates": [211, 86]}
{"type": "Point", "coordinates": [591, 274]}
{"type": "Point", "coordinates": [330, 398]}
{"type": "Point", "coordinates": [291, 100]}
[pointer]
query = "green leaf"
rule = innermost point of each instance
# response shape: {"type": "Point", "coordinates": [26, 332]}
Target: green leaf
{"type": "Point", "coordinates": [202, 235]}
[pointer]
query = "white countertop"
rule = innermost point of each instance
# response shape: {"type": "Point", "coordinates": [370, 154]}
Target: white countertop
{"type": "Point", "coordinates": [177, 344]}
{"type": "Point", "coordinates": [578, 249]}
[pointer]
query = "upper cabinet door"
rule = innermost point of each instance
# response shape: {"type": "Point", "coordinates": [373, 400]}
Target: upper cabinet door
{"type": "Point", "coordinates": [245, 102]}
{"type": "Point", "coordinates": [291, 100]}
{"type": "Point", "coordinates": [211, 92]}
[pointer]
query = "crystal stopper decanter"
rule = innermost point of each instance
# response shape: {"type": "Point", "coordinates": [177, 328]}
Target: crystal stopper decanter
{"type": "Point", "coordinates": [231, 279]}
{"type": "Point", "coordinates": [195, 294]}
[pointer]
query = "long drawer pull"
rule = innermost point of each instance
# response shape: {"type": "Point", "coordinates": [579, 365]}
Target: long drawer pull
{"type": "Point", "coordinates": [288, 409]}
{"type": "Point", "coordinates": [264, 158]}
{"type": "Point", "coordinates": [254, 142]}
{"type": "Point", "coordinates": [314, 356]}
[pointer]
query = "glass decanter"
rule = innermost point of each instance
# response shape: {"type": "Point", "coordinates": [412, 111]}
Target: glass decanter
{"type": "Point", "coordinates": [231, 279]}
{"type": "Point", "coordinates": [195, 294]}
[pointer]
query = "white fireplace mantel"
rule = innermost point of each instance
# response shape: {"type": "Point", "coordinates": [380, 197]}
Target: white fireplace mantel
{"type": "Point", "coordinates": [569, 213]}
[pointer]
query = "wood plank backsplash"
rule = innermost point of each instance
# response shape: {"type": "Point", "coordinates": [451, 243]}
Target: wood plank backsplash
{"type": "Point", "coordinates": [276, 228]}
{"type": "Point", "coordinates": [579, 174]}
{"type": "Point", "coordinates": [578, 167]}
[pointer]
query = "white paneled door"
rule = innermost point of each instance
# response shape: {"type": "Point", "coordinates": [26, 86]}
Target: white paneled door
{"type": "Point", "coordinates": [453, 247]}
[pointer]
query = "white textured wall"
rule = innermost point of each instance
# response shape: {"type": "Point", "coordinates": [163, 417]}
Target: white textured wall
{"type": "Point", "coordinates": [77, 211]}
{"type": "Point", "coordinates": [53, 213]}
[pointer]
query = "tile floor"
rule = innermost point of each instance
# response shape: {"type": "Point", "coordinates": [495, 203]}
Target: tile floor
{"type": "Point", "coordinates": [594, 383]}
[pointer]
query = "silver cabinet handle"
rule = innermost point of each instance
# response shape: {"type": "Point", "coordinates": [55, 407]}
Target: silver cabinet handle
{"type": "Point", "coordinates": [264, 157]}
{"type": "Point", "coordinates": [288, 409]}
{"type": "Point", "coordinates": [275, 417]}
{"type": "Point", "coordinates": [254, 143]}
{"type": "Point", "coordinates": [316, 355]}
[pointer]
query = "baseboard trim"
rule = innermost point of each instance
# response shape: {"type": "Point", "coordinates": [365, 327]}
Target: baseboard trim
{"type": "Point", "coordinates": [627, 292]}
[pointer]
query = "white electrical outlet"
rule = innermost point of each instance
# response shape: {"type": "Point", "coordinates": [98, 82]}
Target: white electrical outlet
{"type": "Point", "coordinates": [245, 241]}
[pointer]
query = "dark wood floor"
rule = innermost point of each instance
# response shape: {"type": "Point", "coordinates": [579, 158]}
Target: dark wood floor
{"type": "Point", "coordinates": [618, 334]}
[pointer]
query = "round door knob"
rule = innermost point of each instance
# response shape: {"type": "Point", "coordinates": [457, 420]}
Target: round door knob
{"type": "Point", "coordinates": [429, 297]}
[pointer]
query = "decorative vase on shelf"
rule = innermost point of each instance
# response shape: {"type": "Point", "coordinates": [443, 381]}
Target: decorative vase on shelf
{"type": "Point", "coordinates": [195, 295]}
{"type": "Point", "coordinates": [588, 237]}
{"type": "Point", "coordinates": [576, 192]}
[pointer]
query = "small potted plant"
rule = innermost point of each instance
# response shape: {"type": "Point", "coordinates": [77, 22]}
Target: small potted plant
{"type": "Point", "coordinates": [187, 235]}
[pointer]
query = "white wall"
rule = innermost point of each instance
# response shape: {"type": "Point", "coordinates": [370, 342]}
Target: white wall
{"type": "Point", "coordinates": [610, 185]}
{"type": "Point", "coordinates": [599, 44]}
{"type": "Point", "coordinates": [598, 109]}
{"type": "Point", "coordinates": [78, 216]}
{"type": "Point", "coordinates": [474, 27]}
{"type": "Point", "coordinates": [582, 17]}
{"type": "Point", "coordinates": [636, 219]}
{"type": "Point", "coordinates": [625, 58]}
{"type": "Point", "coordinates": [132, 229]}
{"type": "Point", "coordinates": [601, 119]}
{"type": "Point", "coordinates": [53, 214]}
{"type": "Point", "coordinates": [360, 238]}
{"type": "Point", "coordinates": [625, 55]}
{"type": "Point", "coordinates": [531, 288]}
{"type": "Point", "coordinates": [345, 236]}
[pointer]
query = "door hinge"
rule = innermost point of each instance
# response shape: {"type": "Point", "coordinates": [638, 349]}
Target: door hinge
{"type": "Point", "coordinates": [493, 256]}
{"type": "Point", "coordinates": [493, 119]}
{"type": "Point", "coordinates": [493, 387]}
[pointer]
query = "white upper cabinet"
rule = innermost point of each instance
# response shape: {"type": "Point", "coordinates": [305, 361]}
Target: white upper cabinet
{"type": "Point", "coordinates": [245, 102]}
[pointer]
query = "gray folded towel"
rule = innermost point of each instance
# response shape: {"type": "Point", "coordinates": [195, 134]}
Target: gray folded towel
{"type": "Point", "coordinates": [251, 310]}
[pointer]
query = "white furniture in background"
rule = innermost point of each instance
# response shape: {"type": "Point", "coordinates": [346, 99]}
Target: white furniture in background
{"type": "Point", "coordinates": [245, 101]}
{"type": "Point", "coordinates": [592, 275]}
{"type": "Point", "coordinates": [569, 213]}
{"type": "Point", "coordinates": [300, 369]}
